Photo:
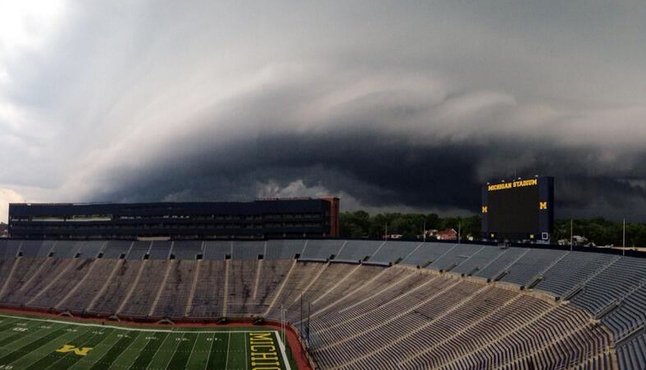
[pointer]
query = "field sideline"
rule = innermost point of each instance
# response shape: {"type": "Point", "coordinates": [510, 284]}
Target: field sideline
{"type": "Point", "coordinates": [34, 343]}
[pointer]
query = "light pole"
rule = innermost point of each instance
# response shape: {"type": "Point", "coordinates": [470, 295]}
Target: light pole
{"type": "Point", "coordinates": [624, 240]}
{"type": "Point", "coordinates": [424, 231]}
{"type": "Point", "coordinates": [459, 231]}
{"type": "Point", "coordinates": [571, 235]}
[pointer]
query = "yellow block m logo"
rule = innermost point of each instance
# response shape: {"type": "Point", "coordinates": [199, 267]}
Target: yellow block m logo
{"type": "Point", "coordinates": [77, 351]}
{"type": "Point", "coordinates": [542, 205]}
{"type": "Point", "coordinates": [484, 209]}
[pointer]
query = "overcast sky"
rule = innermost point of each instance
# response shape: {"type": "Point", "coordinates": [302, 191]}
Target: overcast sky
{"type": "Point", "coordinates": [392, 105]}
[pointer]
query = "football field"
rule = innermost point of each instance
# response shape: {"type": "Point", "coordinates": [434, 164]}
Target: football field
{"type": "Point", "coordinates": [34, 343]}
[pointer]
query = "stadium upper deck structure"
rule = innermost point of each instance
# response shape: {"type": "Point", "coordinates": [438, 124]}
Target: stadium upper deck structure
{"type": "Point", "coordinates": [264, 218]}
{"type": "Point", "coordinates": [373, 304]}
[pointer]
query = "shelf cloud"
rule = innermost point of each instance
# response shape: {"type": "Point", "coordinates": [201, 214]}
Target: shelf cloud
{"type": "Point", "coordinates": [389, 105]}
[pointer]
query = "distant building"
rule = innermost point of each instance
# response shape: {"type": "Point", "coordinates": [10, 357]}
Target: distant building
{"type": "Point", "coordinates": [449, 234]}
{"type": "Point", "coordinates": [4, 230]}
{"type": "Point", "coordinates": [430, 234]}
{"type": "Point", "coordinates": [266, 218]}
{"type": "Point", "coordinates": [577, 240]}
{"type": "Point", "coordinates": [393, 236]}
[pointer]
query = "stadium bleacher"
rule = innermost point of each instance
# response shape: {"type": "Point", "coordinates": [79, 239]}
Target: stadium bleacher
{"type": "Point", "coordinates": [138, 250]}
{"type": "Point", "coordinates": [65, 249]}
{"type": "Point", "coordinates": [31, 248]}
{"type": "Point", "coordinates": [91, 249]}
{"type": "Point", "coordinates": [160, 250]}
{"type": "Point", "coordinates": [440, 305]}
{"type": "Point", "coordinates": [247, 250]}
{"type": "Point", "coordinates": [425, 253]}
{"type": "Point", "coordinates": [632, 355]}
{"type": "Point", "coordinates": [9, 248]}
{"type": "Point", "coordinates": [391, 252]}
{"type": "Point", "coordinates": [187, 249]}
{"type": "Point", "coordinates": [531, 265]}
{"type": "Point", "coordinates": [89, 286]}
{"type": "Point", "coordinates": [62, 284]}
{"type": "Point", "coordinates": [207, 297]}
{"type": "Point", "coordinates": [175, 290]}
{"type": "Point", "coordinates": [322, 249]}
{"type": "Point", "coordinates": [142, 295]}
{"type": "Point", "coordinates": [284, 249]}
{"type": "Point", "coordinates": [217, 251]}
{"type": "Point", "coordinates": [477, 261]}
{"type": "Point", "coordinates": [37, 281]}
{"type": "Point", "coordinates": [502, 263]}
{"type": "Point", "coordinates": [574, 269]}
{"type": "Point", "coordinates": [270, 274]}
{"type": "Point", "coordinates": [460, 253]}
{"type": "Point", "coordinates": [116, 248]}
{"type": "Point", "coordinates": [358, 250]}
{"type": "Point", "coordinates": [114, 290]}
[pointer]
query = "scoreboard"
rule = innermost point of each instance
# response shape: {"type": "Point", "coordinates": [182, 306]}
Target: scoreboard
{"type": "Point", "coordinates": [516, 210]}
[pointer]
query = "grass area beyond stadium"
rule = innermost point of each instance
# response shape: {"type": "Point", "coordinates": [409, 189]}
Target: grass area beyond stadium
{"type": "Point", "coordinates": [35, 343]}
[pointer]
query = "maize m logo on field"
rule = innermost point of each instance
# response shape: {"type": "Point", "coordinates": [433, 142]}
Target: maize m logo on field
{"type": "Point", "coordinates": [77, 351]}
{"type": "Point", "coordinates": [264, 352]}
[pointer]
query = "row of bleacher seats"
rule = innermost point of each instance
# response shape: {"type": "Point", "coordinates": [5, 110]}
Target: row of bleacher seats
{"type": "Point", "coordinates": [232, 280]}
{"type": "Point", "coordinates": [363, 316]}
{"type": "Point", "coordinates": [632, 355]}
{"type": "Point", "coordinates": [210, 250]}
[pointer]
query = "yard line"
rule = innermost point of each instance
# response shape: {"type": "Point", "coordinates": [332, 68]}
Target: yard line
{"type": "Point", "coordinates": [208, 358]}
{"type": "Point", "coordinates": [193, 349]}
{"type": "Point", "coordinates": [282, 351]}
{"type": "Point", "coordinates": [6, 324]}
{"type": "Point", "coordinates": [157, 351]}
{"type": "Point", "coordinates": [226, 363]}
{"type": "Point", "coordinates": [89, 364]}
{"type": "Point", "coordinates": [27, 335]}
{"type": "Point", "coordinates": [176, 348]}
{"type": "Point", "coordinates": [35, 353]}
{"type": "Point", "coordinates": [70, 354]}
{"type": "Point", "coordinates": [126, 349]}
{"type": "Point", "coordinates": [13, 340]}
{"type": "Point", "coordinates": [246, 358]}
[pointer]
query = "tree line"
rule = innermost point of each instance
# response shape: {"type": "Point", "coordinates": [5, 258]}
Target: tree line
{"type": "Point", "coordinates": [600, 231]}
{"type": "Point", "coordinates": [361, 224]}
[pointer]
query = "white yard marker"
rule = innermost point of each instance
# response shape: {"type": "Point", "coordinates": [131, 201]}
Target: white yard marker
{"type": "Point", "coordinates": [283, 351]}
{"type": "Point", "coordinates": [226, 363]}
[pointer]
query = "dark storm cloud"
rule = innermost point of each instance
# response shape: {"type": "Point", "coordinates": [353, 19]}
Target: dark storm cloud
{"type": "Point", "coordinates": [392, 106]}
{"type": "Point", "coordinates": [385, 171]}
{"type": "Point", "coordinates": [375, 170]}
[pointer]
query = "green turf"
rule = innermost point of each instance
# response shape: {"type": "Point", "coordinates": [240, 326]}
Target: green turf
{"type": "Point", "coordinates": [33, 343]}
